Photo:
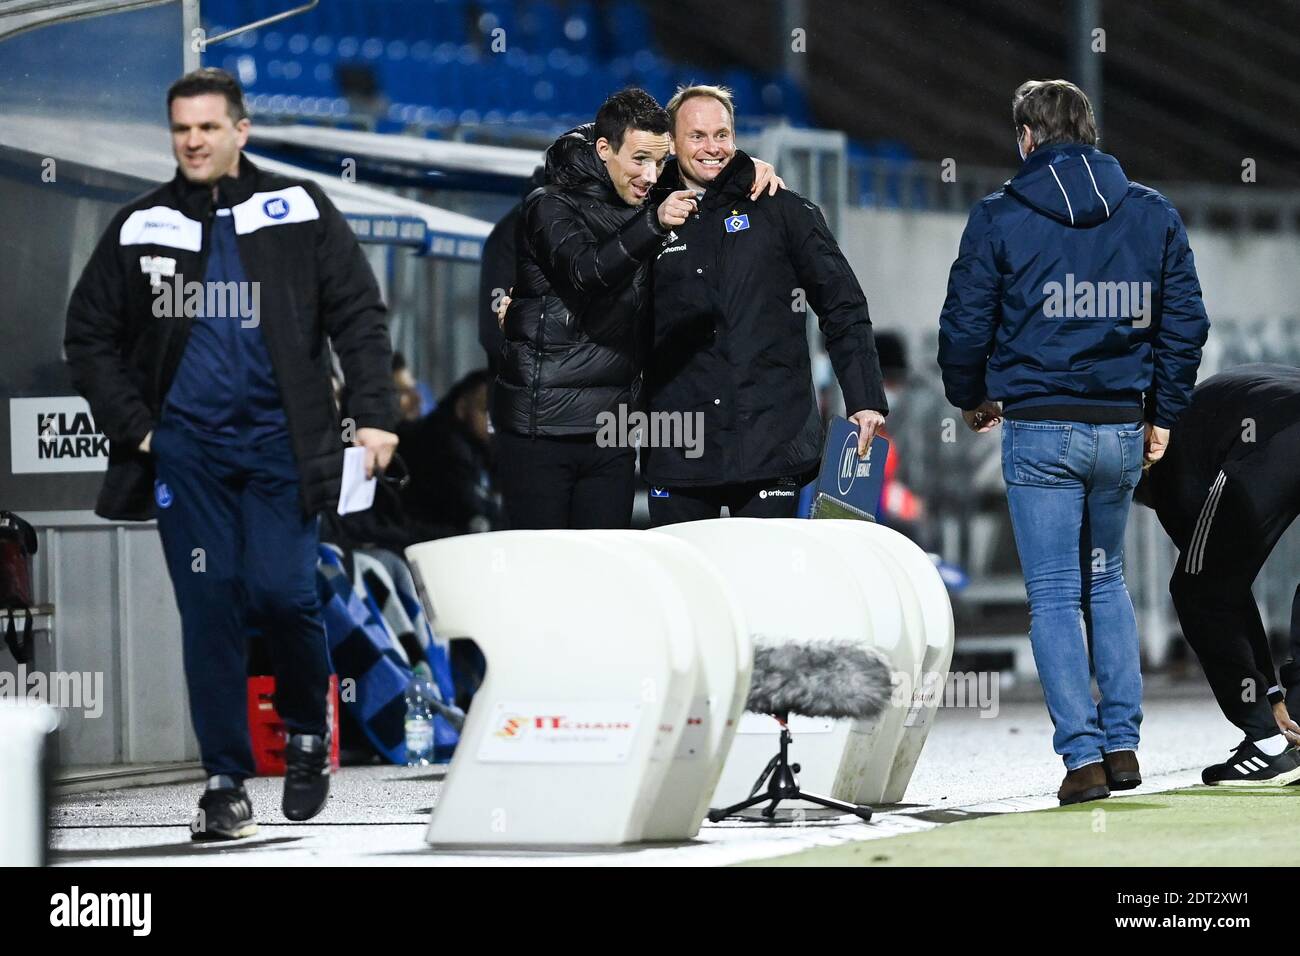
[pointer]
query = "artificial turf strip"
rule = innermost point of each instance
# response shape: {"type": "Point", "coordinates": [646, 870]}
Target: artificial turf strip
{"type": "Point", "coordinates": [1195, 827]}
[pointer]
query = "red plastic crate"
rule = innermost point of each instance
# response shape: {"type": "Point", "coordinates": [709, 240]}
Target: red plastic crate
{"type": "Point", "coordinates": [266, 730]}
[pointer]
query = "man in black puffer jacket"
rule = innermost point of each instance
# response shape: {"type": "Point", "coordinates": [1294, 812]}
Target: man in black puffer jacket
{"type": "Point", "coordinates": [576, 328]}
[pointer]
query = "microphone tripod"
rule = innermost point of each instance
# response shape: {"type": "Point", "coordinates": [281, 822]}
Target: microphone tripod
{"type": "Point", "coordinates": [782, 784]}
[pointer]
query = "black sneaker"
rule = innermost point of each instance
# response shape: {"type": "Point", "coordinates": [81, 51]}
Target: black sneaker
{"type": "Point", "coordinates": [224, 814]}
{"type": "Point", "coordinates": [1251, 767]}
{"type": "Point", "coordinates": [306, 776]}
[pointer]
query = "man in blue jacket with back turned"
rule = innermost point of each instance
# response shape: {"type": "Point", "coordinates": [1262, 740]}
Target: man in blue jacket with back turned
{"type": "Point", "coordinates": [1074, 313]}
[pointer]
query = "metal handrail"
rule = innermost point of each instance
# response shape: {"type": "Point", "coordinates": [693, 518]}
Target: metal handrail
{"type": "Point", "coordinates": [265, 21]}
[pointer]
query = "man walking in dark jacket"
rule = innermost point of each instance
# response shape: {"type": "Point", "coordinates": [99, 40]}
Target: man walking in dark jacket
{"type": "Point", "coordinates": [732, 286]}
{"type": "Point", "coordinates": [1226, 491]}
{"type": "Point", "coordinates": [198, 334]}
{"type": "Point", "coordinates": [575, 327]}
{"type": "Point", "coordinates": [1074, 302]}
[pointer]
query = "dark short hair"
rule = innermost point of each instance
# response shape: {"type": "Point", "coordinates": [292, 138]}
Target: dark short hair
{"type": "Point", "coordinates": [630, 109]}
{"type": "Point", "coordinates": [1056, 111]}
{"type": "Point", "coordinates": [476, 379]}
{"type": "Point", "coordinates": [210, 80]}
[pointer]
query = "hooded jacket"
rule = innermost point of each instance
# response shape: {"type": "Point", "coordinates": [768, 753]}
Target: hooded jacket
{"type": "Point", "coordinates": [314, 284]}
{"type": "Point", "coordinates": [730, 338]}
{"type": "Point", "coordinates": [577, 326]}
{"type": "Point", "coordinates": [1074, 295]}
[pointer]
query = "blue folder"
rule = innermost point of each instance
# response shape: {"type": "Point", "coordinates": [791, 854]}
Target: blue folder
{"type": "Point", "coordinates": [849, 486]}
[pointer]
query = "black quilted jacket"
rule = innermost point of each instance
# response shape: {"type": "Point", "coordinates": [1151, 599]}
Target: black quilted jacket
{"type": "Point", "coordinates": [577, 329]}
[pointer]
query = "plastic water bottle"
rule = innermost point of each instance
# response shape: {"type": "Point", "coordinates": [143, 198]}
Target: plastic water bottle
{"type": "Point", "coordinates": [419, 719]}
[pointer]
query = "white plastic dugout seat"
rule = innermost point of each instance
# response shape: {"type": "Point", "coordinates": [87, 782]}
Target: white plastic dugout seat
{"type": "Point", "coordinates": [591, 664]}
{"type": "Point", "coordinates": [726, 661]}
{"type": "Point", "coordinates": [25, 730]}
{"type": "Point", "coordinates": [928, 621]}
{"type": "Point", "coordinates": [936, 610]}
{"type": "Point", "coordinates": [794, 586]}
{"type": "Point", "coordinates": [872, 744]}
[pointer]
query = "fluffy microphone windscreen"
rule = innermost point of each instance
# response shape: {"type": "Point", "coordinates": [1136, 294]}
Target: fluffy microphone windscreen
{"type": "Point", "coordinates": [831, 678]}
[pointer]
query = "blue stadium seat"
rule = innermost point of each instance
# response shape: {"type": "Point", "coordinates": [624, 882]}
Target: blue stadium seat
{"type": "Point", "coordinates": [433, 62]}
{"type": "Point", "coordinates": [582, 29]}
{"type": "Point", "coordinates": [627, 27]}
{"type": "Point", "coordinates": [744, 90]}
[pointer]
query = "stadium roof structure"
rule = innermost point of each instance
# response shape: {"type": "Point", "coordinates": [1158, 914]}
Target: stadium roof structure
{"type": "Point", "coordinates": [18, 16]}
{"type": "Point", "coordinates": [455, 164]}
{"type": "Point", "coordinates": [142, 152]}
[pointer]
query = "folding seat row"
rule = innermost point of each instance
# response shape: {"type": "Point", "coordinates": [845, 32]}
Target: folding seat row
{"type": "Point", "coordinates": [619, 664]}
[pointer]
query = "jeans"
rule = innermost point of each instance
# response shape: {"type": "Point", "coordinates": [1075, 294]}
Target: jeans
{"type": "Point", "coordinates": [1069, 487]}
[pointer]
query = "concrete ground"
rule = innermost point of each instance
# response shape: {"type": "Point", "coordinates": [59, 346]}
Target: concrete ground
{"type": "Point", "coordinates": [376, 816]}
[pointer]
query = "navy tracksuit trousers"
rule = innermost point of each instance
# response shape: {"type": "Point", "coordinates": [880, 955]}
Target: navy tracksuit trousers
{"type": "Point", "coordinates": [242, 556]}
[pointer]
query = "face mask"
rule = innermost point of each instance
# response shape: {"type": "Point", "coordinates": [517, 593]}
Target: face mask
{"type": "Point", "coordinates": [1019, 148]}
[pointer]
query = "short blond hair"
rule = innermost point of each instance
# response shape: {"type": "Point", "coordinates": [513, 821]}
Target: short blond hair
{"type": "Point", "coordinates": [695, 90]}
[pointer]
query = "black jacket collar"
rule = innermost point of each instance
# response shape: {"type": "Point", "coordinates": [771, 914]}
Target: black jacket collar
{"type": "Point", "coordinates": [572, 164]}
{"type": "Point", "coordinates": [196, 198]}
{"type": "Point", "coordinates": [732, 184]}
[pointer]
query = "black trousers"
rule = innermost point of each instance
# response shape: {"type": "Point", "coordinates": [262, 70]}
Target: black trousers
{"type": "Point", "coordinates": [568, 482]}
{"type": "Point", "coordinates": [775, 498]}
{"type": "Point", "coordinates": [1246, 509]}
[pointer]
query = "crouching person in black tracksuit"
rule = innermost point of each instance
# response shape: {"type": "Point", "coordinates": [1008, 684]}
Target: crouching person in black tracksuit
{"type": "Point", "coordinates": [198, 333]}
{"type": "Point", "coordinates": [1226, 491]}
{"type": "Point", "coordinates": [730, 368]}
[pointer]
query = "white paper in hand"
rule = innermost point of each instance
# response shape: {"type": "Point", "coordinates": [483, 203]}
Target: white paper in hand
{"type": "Point", "coordinates": [358, 491]}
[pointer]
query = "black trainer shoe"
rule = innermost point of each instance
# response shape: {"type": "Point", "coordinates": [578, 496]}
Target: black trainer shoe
{"type": "Point", "coordinates": [223, 814]}
{"type": "Point", "coordinates": [306, 776]}
{"type": "Point", "coordinates": [1251, 767]}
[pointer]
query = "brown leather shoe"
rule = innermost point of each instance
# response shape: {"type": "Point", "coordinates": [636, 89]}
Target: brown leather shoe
{"type": "Point", "coordinates": [1122, 772]}
{"type": "Point", "coordinates": [1086, 783]}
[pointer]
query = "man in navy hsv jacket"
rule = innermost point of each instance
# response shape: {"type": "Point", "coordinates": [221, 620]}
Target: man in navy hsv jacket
{"type": "Point", "coordinates": [730, 339]}
{"type": "Point", "coordinates": [1074, 313]}
{"type": "Point", "coordinates": [200, 333]}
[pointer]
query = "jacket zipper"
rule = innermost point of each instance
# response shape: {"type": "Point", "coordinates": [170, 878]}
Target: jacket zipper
{"type": "Point", "coordinates": [182, 323]}
{"type": "Point", "coordinates": [537, 371]}
{"type": "Point", "coordinates": [739, 444]}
